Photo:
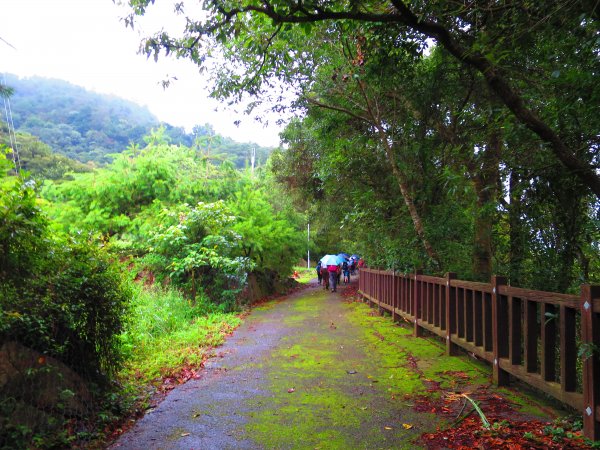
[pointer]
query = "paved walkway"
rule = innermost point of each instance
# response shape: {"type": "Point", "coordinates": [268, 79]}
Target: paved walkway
{"type": "Point", "coordinates": [313, 370]}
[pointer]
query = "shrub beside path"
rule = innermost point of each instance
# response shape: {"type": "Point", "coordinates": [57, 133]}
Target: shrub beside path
{"type": "Point", "coordinates": [320, 370]}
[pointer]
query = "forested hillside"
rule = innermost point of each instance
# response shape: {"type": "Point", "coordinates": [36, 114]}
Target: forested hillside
{"type": "Point", "coordinates": [89, 127]}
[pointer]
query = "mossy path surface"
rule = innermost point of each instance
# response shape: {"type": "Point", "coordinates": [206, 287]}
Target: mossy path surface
{"type": "Point", "coordinates": [316, 370]}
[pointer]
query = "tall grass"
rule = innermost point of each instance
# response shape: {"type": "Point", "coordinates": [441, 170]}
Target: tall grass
{"type": "Point", "coordinates": [165, 333]}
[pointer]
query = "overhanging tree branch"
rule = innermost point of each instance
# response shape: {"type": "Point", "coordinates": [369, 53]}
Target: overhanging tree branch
{"type": "Point", "coordinates": [315, 102]}
{"type": "Point", "coordinates": [403, 15]}
{"type": "Point", "coordinates": [500, 86]}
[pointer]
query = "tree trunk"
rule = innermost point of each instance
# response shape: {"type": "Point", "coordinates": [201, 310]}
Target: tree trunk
{"type": "Point", "coordinates": [569, 225]}
{"type": "Point", "coordinates": [375, 119]}
{"type": "Point", "coordinates": [486, 188]}
{"type": "Point", "coordinates": [516, 235]}
{"type": "Point", "coordinates": [371, 117]}
{"type": "Point", "coordinates": [584, 263]}
{"type": "Point", "coordinates": [408, 201]}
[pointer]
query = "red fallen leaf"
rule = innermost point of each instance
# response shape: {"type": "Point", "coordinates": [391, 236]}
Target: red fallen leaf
{"type": "Point", "coordinates": [469, 434]}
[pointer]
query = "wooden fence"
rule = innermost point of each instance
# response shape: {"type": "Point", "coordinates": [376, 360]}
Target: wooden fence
{"type": "Point", "coordinates": [534, 336]}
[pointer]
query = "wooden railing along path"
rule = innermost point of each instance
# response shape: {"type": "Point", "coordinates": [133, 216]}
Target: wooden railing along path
{"type": "Point", "coordinates": [534, 336]}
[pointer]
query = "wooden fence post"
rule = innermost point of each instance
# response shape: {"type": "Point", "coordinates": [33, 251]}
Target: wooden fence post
{"type": "Point", "coordinates": [380, 290]}
{"type": "Point", "coordinates": [368, 285]}
{"type": "Point", "coordinates": [499, 331]}
{"type": "Point", "coordinates": [590, 337]}
{"type": "Point", "coordinates": [395, 296]}
{"type": "Point", "coordinates": [373, 288]}
{"type": "Point", "coordinates": [361, 287]}
{"type": "Point", "coordinates": [451, 349]}
{"type": "Point", "coordinates": [417, 331]}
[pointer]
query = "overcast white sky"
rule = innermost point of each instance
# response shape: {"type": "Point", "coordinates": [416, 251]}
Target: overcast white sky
{"type": "Point", "coordinates": [84, 42]}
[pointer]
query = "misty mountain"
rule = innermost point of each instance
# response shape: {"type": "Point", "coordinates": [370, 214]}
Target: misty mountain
{"type": "Point", "coordinates": [89, 127]}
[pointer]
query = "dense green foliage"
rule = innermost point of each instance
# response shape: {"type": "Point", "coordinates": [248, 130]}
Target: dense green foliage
{"type": "Point", "coordinates": [90, 127]}
{"type": "Point", "coordinates": [483, 206]}
{"type": "Point", "coordinates": [60, 294]}
{"type": "Point", "coordinates": [199, 249]}
{"type": "Point", "coordinates": [202, 226]}
{"type": "Point", "coordinates": [448, 136]}
{"type": "Point", "coordinates": [38, 159]}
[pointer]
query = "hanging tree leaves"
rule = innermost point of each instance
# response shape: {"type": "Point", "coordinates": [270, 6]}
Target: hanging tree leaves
{"type": "Point", "coordinates": [262, 41]}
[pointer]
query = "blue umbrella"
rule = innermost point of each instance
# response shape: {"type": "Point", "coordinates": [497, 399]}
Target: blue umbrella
{"type": "Point", "coordinates": [341, 258]}
{"type": "Point", "coordinates": [355, 256]}
{"type": "Point", "coordinates": [330, 260]}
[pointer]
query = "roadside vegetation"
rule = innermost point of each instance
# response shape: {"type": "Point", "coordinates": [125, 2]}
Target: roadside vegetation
{"type": "Point", "coordinates": [122, 280]}
{"type": "Point", "coordinates": [166, 333]}
{"type": "Point", "coordinates": [303, 274]}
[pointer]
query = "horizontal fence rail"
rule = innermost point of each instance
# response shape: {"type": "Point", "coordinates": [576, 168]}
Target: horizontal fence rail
{"type": "Point", "coordinates": [534, 336]}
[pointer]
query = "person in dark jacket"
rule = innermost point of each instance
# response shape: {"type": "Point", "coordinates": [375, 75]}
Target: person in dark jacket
{"type": "Point", "coordinates": [325, 276]}
{"type": "Point", "coordinates": [319, 276]}
{"type": "Point", "coordinates": [346, 272]}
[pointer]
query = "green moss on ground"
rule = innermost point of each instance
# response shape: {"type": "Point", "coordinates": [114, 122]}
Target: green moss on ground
{"type": "Point", "coordinates": [327, 386]}
{"type": "Point", "coordinates": [326, 383]}
{"type": "Point", "coordinates": [526, 404]}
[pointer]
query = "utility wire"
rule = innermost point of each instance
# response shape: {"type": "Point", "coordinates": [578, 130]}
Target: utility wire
{"type": "Point", "coordinates": [7, 43]}
{"type": "Point", "coordinates": [11, 130]}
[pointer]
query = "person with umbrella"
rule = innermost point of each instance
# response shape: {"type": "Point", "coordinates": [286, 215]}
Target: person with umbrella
{"type": "Point", "coordinates": [332, 264]}
{"type": "Point", "coordinates": [346, 272]}
{"type": "Point", "coordinates": [352, 266]}
{"type": "Point", "coordinates": [334, 275]}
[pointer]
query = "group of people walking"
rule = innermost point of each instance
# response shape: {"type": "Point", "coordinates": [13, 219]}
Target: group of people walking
{"type": "Point", "coordinates": [329, 271]}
